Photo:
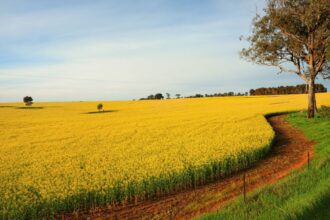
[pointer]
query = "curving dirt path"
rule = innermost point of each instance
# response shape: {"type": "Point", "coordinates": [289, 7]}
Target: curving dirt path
{"type": "Point", "coordinates": [289, 152]}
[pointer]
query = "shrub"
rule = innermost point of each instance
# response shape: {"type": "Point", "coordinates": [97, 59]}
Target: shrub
{"type": "Point", "coordinates": [324, 111]}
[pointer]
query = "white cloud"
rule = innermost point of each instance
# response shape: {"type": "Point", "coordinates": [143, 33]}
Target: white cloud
{"type": "Point", "coordinates": [120, 50]}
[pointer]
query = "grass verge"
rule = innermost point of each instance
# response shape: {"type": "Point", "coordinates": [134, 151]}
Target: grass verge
{"type": "Point", "coordinates": [304, 194]}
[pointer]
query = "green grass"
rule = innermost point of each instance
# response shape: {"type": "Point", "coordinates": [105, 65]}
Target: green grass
{"type": "Point", "coordinates": [304, 194]}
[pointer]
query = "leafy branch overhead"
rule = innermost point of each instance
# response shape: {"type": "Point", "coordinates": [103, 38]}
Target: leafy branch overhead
{"type": "Point", "coordinates": [292, 35]}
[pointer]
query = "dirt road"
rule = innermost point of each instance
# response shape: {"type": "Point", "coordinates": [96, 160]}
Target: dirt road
{"type": "Point", "coordinates": [289, 152]}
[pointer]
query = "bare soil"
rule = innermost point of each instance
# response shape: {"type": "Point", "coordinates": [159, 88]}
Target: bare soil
{"type": "Point", "coordinates": [288, 153]}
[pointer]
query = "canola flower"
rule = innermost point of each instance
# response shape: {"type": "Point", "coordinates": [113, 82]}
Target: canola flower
{"type": "Point", "coordinates": [58, 158]}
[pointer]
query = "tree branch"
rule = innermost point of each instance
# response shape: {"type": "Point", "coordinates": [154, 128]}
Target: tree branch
{"type": "Point", "coordinates": [320, 64]}
{"type": "Point", "coordinates": [301, 75]}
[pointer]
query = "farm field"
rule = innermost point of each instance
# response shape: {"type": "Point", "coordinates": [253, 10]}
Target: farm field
{"type": "Point", "coordinates": [304, 194]}
{"type": "Point", "coordinates": [57, 157]}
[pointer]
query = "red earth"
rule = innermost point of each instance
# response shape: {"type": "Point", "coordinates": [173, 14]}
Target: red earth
{"type": "Point", "coordinates": [288, 153]}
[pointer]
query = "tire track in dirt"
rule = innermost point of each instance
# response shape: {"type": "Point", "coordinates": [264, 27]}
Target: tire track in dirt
{"type": "Point", "coordinates": [288, 153]}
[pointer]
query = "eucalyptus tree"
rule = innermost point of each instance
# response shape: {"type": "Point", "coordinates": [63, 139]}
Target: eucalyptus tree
{"type": "Point", "coordinates": [293, 35]}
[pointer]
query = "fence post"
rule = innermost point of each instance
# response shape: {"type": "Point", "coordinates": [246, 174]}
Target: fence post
{"type": "Point", "coordinates": [244, 187]}
{"type": "Point", "coordinates": [308, 159]}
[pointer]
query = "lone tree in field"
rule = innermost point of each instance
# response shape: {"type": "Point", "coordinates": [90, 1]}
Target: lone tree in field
{"type": "Point", "coordinates": [293, 35]}
{"type": "Point", "coordinates": [28, 100]}
{"type": "Point", "coordinates": [100, 107]}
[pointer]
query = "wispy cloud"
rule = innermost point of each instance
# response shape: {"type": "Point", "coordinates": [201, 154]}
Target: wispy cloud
{"type": "Point", "coordinates": [77, 50]}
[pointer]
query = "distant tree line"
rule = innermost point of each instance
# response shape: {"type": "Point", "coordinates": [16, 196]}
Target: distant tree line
{"type": "Point", "coordinates": [157, 96]}
{"type": "Point", "coordinates": [219, 95]}
{"type": "Point", "coordinates": [168, 96]}
{"type": "Point", "coordinates": [280, 90]}
{"type": "Point", "coordinates": [298, 89]}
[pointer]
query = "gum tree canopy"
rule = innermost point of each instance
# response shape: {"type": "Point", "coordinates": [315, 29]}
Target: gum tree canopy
{"type": "Point", "coordinates": [293, 35]}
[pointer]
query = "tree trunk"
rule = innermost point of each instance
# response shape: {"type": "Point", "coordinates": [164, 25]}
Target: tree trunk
{"type": "Point", "coordinates": [315, 106]}
{"type": "Point", "coordinates": [311, 98]}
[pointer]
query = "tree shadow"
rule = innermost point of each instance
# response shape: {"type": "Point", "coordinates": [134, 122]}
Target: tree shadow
{"type": "Point", "coordinates": [6, 106]}
{"type": "Point", "coordinates": [30, 107]}
{"type": "Point", "coordinates": [277, 103]}
{"type": "Point", "coordinates": [101, 112]}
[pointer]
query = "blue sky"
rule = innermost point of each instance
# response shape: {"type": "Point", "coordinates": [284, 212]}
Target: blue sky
{"type": "Point", "coordinates": [67, 50]}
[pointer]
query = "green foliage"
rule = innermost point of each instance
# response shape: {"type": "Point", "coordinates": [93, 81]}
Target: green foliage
{"type": "Point", "coordinates": [324, 111]}
{"type": "Point", "coordinates": [159, 96]}
{"type": "Point", "coordinates": [298, 89]}
{"type": "Point", "coordinates": [100, 107]}
{"type": "Point", "coordinates": [292, 35]}
{"type": "Point", "coordinates": [156, 96]}
{"type": "Point", "coordinates": [304, 194]}
{"type": "Point", "coordinates": [28, 100]}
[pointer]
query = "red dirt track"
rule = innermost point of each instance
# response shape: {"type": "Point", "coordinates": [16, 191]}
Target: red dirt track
{"type": "Point", "coordinates": [288, 153]}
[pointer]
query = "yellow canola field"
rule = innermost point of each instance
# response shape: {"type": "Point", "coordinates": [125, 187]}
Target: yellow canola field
{"type": "Point", "coordinates": [58, 151]}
